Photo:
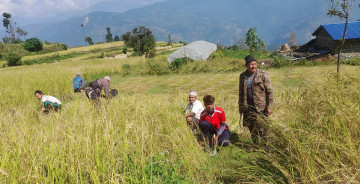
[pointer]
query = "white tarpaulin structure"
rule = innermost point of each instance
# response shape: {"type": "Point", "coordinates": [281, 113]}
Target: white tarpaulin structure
{"type": "Point", "coordinates": [198, 50]}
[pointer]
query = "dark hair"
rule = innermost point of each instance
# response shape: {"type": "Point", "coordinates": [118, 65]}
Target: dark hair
{"type": "Point", "coordinates": [39, 92]}
{"type": "Point", "coordinates": [208, 99]}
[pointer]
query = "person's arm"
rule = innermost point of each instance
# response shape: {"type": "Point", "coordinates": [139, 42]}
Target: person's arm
{"type": "Point", "coordinates": [241, 95]}
{"type": "Point", "coordinates": [269, 93]}
{"type": "Point", "coordinates": [43, 107]}
{"type": "Point", "coordinates": [190, 114]}
{"type": "Point", "coordinates": [221, 130]}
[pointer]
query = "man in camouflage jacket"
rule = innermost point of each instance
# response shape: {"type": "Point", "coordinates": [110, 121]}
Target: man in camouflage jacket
{"type": "Point", "coordinates": [255, 99]}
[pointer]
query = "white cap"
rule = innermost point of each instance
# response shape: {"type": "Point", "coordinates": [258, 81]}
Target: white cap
{"type": "Point", "coordinates": [193, 93]}
{"type": "Point", "coordinates": [107, 78]}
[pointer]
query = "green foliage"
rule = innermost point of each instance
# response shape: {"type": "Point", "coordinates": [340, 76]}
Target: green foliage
{"type": "Point", "coordinates": [278, 60]}
{"type": "Point", "coordinates": [109, 37]}
{"type": "Point", "coordinates": [33, 45]}
{"type": "Point", "coordinates": [125, 49]}
{"type": "Point", "coordinates": [89, 40]}
{"type": "Point", "coordinates": [234, 47]}
{"type": "Point", "coordinates": [14, 31]}
{"type": "Point", "coordinates": [150, 54]}
{"type": "Point", "coordinates": [178, 62]}
{"type": "Point", "coordinates": [141, 40]}
{"type": "Point", "coordinates": [353, 61]}
{"type": "Point", "coordinates": [53, 58]}
{"type": "Point", "coordinates": [116, 38]}
{"type": "Point", "coordinates": [157, 68]}
{"type": "Point", "coordinates": [126, 69]}
{"type": "Point", "coordinates": [254, 42]}
{"type": "Point", "coordinates": [14, 60]}
{"type": "Point", "coordinates": [159, 169]}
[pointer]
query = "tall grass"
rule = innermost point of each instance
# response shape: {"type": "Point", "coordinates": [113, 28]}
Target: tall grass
{"type": "Point", "coordinates": [141, 137]}
{"type": "Point", "coordinates": [318, 134]}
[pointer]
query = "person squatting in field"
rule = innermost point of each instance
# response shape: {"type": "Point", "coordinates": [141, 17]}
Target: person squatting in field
{"type": "Point", "coordinates": [255, 100]}
{"type": "Point", "coordinates": [49, 103]}
{"type": "Point", "coordinates": [213, 121]}
{"type": "Point", "coordinates": [79, 83]}
{"type": "Point", "coordinates": [93, 92]}
{"type": "Point", "coordinates": [193, 111]}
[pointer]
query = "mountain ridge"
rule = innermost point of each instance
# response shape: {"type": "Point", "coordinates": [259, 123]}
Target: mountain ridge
{"type": "Point", "coordinates": [216, 21]}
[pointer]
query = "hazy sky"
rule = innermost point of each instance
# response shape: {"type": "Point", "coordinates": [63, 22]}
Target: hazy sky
{"type": "Point", "coordinates": [29, 11]}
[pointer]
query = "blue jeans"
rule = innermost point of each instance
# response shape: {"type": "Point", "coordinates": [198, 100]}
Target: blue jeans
{"type": "Point", "coordinates": [208, 129]}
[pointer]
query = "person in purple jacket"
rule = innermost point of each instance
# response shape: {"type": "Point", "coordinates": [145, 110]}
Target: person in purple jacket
{"type": "Point", "coordinates": [93, 92]}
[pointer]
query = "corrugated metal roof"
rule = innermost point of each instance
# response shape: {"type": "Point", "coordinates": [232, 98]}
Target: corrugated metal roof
{"type": "Point", "coordinates": [336, 31]}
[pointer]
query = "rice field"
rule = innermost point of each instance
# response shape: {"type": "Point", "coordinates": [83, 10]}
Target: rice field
{"type": "Point", "coordinates": [141, 135]}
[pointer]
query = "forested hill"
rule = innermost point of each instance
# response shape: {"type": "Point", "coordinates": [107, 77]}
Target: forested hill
{"type": "Point", "coordinates": [218, 21]}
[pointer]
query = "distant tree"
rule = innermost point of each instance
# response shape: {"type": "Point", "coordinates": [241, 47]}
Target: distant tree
{"type": "Point", "coordinates": [33, 45]}
{"type": "Point", "coordinates": [116, 38]}
{"type": "Point", "coordinates": [14, 60]}
{"type": "Point", "coordinates": [341, 9]}
{"type": "Point", "coordinates": [89, 40]}
{"type": "Point", "coordinates": [15, 32]}
{"type": "Point", "coordinates": [169, 40]}
{"type": "Point", "coordinates": [254, 43]}
{"type": "Point", "coordinates": [109, 37]}
{"type": "Point", "coordinates": [142, 40]}
{"type": "Point", "coordinates": [292, 39]}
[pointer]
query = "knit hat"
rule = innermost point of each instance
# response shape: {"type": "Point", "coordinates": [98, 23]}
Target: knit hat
{"type": "Point", "coordinates": [107, 78]}
{"type": "Point", "coordinates": [249, 59]}
{"type": "Point", "coordinates": [78, 74]}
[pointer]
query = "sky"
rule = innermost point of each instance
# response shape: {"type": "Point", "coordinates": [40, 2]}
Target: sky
{"type": "Point", "coordinates": [37, 11]}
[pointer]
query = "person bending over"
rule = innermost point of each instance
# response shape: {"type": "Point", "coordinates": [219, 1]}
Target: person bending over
{"type": "Point", "coordinates": [49, 103]}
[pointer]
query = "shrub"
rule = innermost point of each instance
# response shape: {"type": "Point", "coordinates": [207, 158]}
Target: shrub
{"type": "Point", "coordinates": [33, 45]}
{"type": "Point", "coordinates": [64, 46]}
{"type": "Point", "coordinates": [177, 63]}
{"type": "Point", "coordinates": [14, 60]}
{"type": "Point", "coordinates": [151, 53]}
{"type": "Point", "coordinates": [124, 50]}
{"type": "Point", "coordinates": [157, 69]}
{"type": "Point", "coordinates": [126, 68]}
{"type": "Point", "coordinates": [278, 60]}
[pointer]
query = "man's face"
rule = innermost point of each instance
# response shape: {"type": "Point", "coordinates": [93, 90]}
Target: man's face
{"type": "Point", "coordinates": [38, 96]}
{"type": "Point", "coordinates": [192, 98]}
{"type": "Point", "coordinates": [252, 67]}
{"type": "Point", "coordinates": [209, 108]}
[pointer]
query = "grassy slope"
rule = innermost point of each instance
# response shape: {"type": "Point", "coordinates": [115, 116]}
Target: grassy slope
{"type": "Point", "coordinates": [141, 135]}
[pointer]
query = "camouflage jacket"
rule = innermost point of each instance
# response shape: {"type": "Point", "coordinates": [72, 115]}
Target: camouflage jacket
{"type": "Point", "coordinates": [262, 91]}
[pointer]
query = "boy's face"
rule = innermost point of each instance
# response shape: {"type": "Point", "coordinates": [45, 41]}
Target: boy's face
{"type": "Point", "coordinates": [38, 96]}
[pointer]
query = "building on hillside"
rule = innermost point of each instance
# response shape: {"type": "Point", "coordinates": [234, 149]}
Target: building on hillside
{"type": "Point", "coordinates": [327, 40]}
{"type": "Point", "coordinates": [328, 37]}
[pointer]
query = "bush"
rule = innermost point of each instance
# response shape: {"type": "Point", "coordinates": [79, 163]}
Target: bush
{"type": "Point", "coordinates": [126, 68]}
{"type": "Point", "coordinates": [64, 46]}
{"type": "Point", "coordinates": [157, 69]}
{"type": "Point", "coordinates": [278, 60]}
{"type": "Point", "coordinates": [124, 50]}
{"type": "Point", "coordinates": [151, 53]}
{"type": "Point", "coordinates": [14, 60]}
{"type": "Point", "coordinates": [178, 63]}
{"type": "Point", "coordinates": [33, 45]}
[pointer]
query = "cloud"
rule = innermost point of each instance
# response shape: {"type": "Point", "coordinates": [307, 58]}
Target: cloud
{"type": "Point", "coordinates": [45, 8]}
{"type": "Point", "coordinates": [37, 10]}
